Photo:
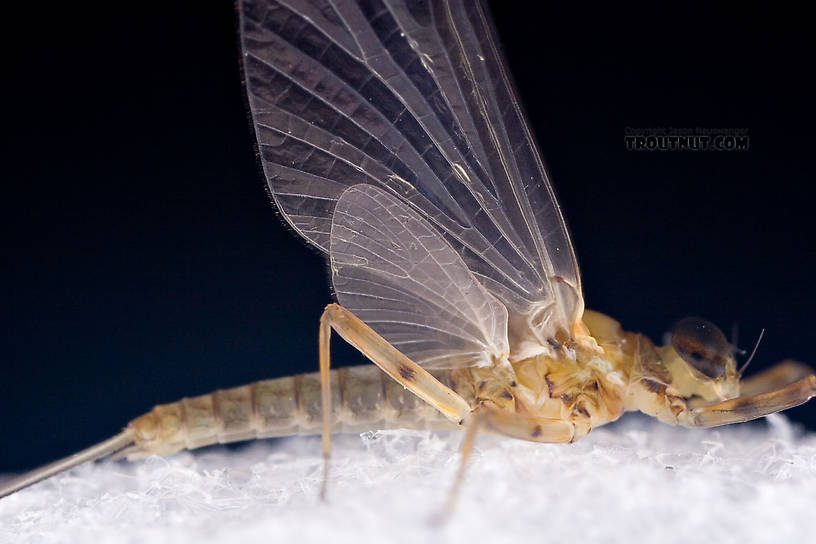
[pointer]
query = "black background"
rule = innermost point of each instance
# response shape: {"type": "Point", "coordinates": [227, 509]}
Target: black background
{"type": "Point", "coordinates": [142, 260]}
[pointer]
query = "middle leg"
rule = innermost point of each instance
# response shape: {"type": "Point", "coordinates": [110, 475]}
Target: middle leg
{"type": "Point", "coordinates": [522, 426]}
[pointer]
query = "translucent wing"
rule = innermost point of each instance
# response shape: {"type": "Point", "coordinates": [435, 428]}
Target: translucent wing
{"type": "Point", "coordinates": [411, 97]}
{"type": "Point", "coordinates": [391, 268]}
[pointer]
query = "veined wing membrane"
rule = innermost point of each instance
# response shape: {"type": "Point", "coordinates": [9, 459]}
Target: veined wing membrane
{"type": "Point", "coordinates": [393, 270]}
{"type": "Point", "coordinates": [411, 97]}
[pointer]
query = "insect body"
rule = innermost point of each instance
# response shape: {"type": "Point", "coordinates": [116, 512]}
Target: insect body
{"type": "Point", "coordinates": [392, 140]}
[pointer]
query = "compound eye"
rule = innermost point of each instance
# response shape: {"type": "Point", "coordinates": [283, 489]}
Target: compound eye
{"type": "Point", "coordinates": [702, 345]}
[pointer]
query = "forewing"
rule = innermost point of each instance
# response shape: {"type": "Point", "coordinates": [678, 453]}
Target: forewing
{"type": "Point", "coordinates": [393, 270]}
{"type": "Point", "coordinates": [413, 98]}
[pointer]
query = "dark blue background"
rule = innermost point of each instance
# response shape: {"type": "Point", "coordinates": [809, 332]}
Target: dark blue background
{"type": "Point", "coordinates": [143, 261]}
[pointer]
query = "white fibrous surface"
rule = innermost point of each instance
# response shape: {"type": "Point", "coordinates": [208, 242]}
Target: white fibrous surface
{"type": "Point", "coordinates": [634, 481]}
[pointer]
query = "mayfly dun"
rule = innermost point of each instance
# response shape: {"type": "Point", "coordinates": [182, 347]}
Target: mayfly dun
{"type": "Point", "coordinates": [392, 140]}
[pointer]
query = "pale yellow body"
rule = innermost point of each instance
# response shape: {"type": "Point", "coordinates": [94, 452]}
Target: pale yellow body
{"type": "Point", "coordinates": [588, 385]}
{"type": "Point", "coordinates": [588, 379]}
{"type": "Point", "coordinates": [593, 380]}
{"type": "Point", "coordinates": [363, 398]}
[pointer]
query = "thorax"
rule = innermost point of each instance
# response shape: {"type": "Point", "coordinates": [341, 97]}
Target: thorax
{"type": "Point", "coordinates": [584, 381]}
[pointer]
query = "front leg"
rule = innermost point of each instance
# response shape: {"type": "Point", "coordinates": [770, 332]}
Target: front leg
{"type": "Point", "coordinates": [746, 408]}
{"type": "Point", "coordinates": [775, 377]}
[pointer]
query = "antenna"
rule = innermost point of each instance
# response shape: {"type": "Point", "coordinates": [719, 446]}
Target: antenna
{"type": "Point", "coordinates": [745, 365]}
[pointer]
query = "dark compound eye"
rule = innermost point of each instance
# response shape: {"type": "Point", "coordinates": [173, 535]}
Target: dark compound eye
{"type": "Point", "coordinates": [702, 345]}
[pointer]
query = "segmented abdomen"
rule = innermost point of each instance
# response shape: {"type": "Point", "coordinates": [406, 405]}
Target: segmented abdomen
{"type": "Point", "coordinates": [363, 398]}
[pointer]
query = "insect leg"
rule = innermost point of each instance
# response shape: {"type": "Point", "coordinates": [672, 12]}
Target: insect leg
{"type": "Point", "coordinates": [389, 359]}
{"type": "Point", "coordinates": [779, 375]}
{"type": "Point", "coordinates": [522, 426]}
{"type": "Point", "coordinates": [746, 408]}
{"type": "Point", "coordinates": [548, 430]}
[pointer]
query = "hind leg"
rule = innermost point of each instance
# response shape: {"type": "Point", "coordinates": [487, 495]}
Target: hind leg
{"type": "Point", "coordinates": [390, 360]}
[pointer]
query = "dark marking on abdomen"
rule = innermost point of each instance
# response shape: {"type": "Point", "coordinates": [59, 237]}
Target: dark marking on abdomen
{"type": "Point", "coordinates": [549, 385]}
{"type": "Point", "coordinates": [653, 386]}
{"type": "Point", "coordinates": [581, 409]}
{"type": "Point", "coordinates": [407, 373]}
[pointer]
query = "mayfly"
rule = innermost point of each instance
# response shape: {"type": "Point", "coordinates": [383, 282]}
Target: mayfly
{"type": "Point", "coordinates": [393, 141]}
